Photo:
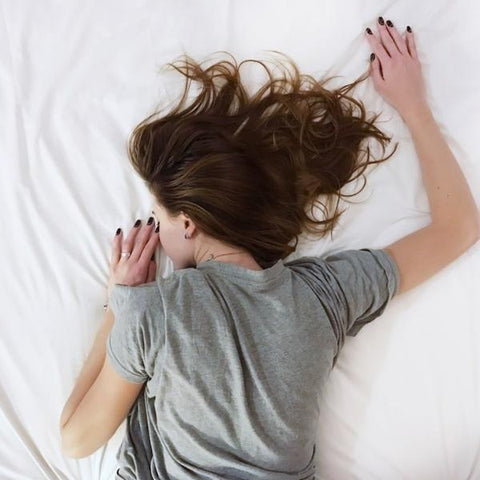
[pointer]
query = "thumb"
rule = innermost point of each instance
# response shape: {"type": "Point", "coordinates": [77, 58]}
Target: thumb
{"type": "Point", "coordinates": [375, 70]}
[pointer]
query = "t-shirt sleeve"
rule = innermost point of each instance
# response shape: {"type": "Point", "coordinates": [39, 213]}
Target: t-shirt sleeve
{"type": "Point", "coordinates": [354, 286]}
{"type": "Point", "coordinates": [138, 330]}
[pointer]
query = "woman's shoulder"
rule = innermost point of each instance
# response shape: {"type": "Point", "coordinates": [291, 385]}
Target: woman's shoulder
{"type": "Point", "coordinates": [349, 269]}
{"type": "Point", "coordinates": [145, 291]}
{"type": "Point", "coordinates": [182, 280]}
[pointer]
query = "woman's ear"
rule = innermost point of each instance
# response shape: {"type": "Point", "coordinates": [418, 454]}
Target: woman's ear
{"type": "Point", "coordinates": [188, 223]}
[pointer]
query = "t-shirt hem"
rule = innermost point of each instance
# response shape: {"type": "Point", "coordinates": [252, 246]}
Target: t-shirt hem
{"type": "Point", "coordinates": [117, 366]}
{"type": "Point", "coordinates": [391, 268]}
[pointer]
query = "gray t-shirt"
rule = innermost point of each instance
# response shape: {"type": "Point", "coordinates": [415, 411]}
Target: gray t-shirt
{"type": "Point", "coordinates": [234, 360]}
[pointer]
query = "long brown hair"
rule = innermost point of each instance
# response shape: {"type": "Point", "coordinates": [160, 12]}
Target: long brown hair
{"type": "Point", "coordinates": [245, 167]}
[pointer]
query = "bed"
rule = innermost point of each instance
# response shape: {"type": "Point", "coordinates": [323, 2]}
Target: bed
{"type": "Point", "coordinates": [402, 402]}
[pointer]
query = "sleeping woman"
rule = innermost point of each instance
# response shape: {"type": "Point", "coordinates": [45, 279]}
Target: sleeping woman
{"type": "Point", "coordinates": [217, 367]}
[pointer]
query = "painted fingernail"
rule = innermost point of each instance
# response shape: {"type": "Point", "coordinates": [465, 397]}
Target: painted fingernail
{"type": "Point", "coordinates": [389, 23]}
{"type": "Point", "coordinates": [409, 29]}
{"type": "Point", "coordinates": [369, 31]}
{"type": "Point", "coordinates": [118, 231]}
{"type": "Point", "coordinates": [137, 223]}
{"type": "Point", "coordinates": [372, 57]}
{"type": "Point", "coordinates": [157, 229]}
{"type": "Point", "coordinates": [380, 21]}
{"type": "Point", "coordinates": [150, 221]}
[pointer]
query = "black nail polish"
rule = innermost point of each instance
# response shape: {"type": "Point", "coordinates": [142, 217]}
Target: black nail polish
{"type": "Point", "coordinates": [380, 21]}
{"type": "Point", "coordinates": [372, 57]}
{"type": "Point", "coordinates": [137, 223]}
{"type": "Point", "coordinates": [118, 231]}
{"type": "Point", "coordinates": [389, 23]}
{"type": "Point", "coordinates": [409, 29]}
{"type": "Point", "coordinates": [157, 229]}
{"type": "Point", "coordinates": [150, 221]}
{"type": "Point", "coordinates": [369, 31]}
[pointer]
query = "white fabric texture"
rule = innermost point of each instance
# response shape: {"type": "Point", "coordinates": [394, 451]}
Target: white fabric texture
{"type": "Point", "coordinates": [76, 76]}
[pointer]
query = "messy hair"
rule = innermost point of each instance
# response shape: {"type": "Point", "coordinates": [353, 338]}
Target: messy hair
{"type": "Point", "coordinates": [248, 168]}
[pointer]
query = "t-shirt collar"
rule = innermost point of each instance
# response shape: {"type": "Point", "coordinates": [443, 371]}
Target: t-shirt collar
{"type": "Point", "coordinates": [242, 272]}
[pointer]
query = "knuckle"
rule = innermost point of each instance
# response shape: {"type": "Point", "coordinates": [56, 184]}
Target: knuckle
{"type": "Point", "coordinates": [394, 54]}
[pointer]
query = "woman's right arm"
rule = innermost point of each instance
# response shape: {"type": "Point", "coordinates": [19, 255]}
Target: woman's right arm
{"type": "Point", "coordinates": [455, 225]}
{"type": "Point", "coordinates": [455, 218]}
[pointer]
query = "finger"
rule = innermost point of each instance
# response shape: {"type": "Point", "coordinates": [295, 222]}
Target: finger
{"type": "Point", "coordinates": [127, 245]}
{"type": "Point", "coordinates": [404, 37]}
{"type": "Point", "coordinates": [152, 270]}
{"type": "Point", "coordinates": [376, 72]}
{"type": "Point", "coordinates": [141, 239]}
{"type": "Point", "coordinates": [116, 247]}
{"type": "Point", "coordinates": [387, 40]}
{"type": "Point", "coordinates": [377, 47]}
{"type": "Point", "coordinates": [397, 39]}
{"type": "Point", "coordinates": [411, 44]}
{"type": "Point", "coordinates": [149, 249]}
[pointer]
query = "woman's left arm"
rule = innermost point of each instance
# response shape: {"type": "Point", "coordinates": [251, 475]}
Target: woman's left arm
{"type": "Point", "coordinates": [136, 269]}
{"type": "Point", "coordinates": [91, 368]}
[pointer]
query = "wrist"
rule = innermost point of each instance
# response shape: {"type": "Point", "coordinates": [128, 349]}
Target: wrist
{"type": "Point", "coordinates": [416, 114]}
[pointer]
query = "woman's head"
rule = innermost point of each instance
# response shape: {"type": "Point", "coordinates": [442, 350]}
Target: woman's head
{"type": "Point", "coordinates": [241, 169]}
{"type": "Point", "coordinates": [172, 233]}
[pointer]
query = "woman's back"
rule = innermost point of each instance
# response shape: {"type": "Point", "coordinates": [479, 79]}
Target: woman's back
{"type": "Point", "coordinates": [234, 361]}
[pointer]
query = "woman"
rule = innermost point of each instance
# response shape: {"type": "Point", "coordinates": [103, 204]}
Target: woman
{"type": "Point", "coordinates": [235, 345]}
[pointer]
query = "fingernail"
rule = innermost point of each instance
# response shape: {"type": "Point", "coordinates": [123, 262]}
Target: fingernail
{"type": "Point", "coordinates": [157, 229]}
{"type": "Point", "coordinates": [380, 20]}
{"type": "Point", "coordinates": [409, 29]}
{"type": "Point", "coordinates": [389, 23]}
{"type": "Point", "coordinates": [137, 223]}
{"type": "Point", "coordinates": [118, 231]}
{"type": "Point", "coordinates": [372, 57]}
{"type": "Point", "coordinates": [369, 31]}
{"type": "Point", "coordinates": [150, 220]}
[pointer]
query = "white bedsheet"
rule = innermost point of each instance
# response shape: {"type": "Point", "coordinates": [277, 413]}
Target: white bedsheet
{"type": "Point", "coordinates": [403, 401]}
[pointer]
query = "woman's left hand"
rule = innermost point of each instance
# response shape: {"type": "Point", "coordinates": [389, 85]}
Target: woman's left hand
{"type": "Point", "coordinates": [139, 267]}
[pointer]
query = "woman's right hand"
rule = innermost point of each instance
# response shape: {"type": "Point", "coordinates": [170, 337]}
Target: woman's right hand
{"type": "Point", "coordinates": [396, 69]}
